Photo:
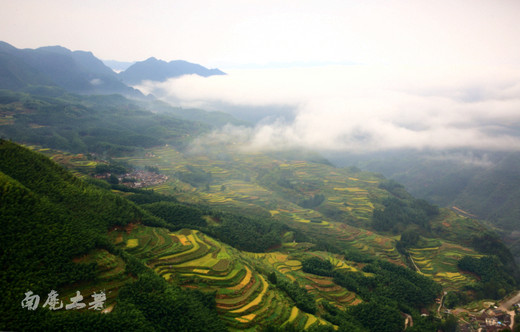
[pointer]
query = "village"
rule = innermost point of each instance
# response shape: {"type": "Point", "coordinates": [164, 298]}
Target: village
{"type": "Point", "coordinates": [135, 178]}
{"type": "Point", "coordinates": [489, 320]}
{"type": "Point", "coordinates": [497, 317]}
{"type": "Point", "coordinates": [140, 179]}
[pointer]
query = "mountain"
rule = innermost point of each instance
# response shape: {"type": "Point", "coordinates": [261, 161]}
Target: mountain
{"type": "Point", "coordinates": [214, 119]}
{"type": "Point", "coordinates": [158, 70]}
{"type": "Point", "coordinates": [78, 71]}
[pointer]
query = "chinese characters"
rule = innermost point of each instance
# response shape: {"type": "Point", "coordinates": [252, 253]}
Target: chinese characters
{"type": "Point", "coordinates": [31, 301]}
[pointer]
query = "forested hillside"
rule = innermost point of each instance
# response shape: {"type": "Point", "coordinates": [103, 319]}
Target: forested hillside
{"type": "Point", "coordinates": [106, 125]}
{"type": "Point", "coordinates": [482, 183]}
{"type": "Point", "coordinates": [51, 220]}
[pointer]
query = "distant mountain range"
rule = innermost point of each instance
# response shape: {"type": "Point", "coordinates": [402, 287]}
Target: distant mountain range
{"type": "Point", "coordinates": [81, 72]}
{"type": "Point", "coordinates": [78, 71]}
{"type": "Point", "coordinates": [158, 70]}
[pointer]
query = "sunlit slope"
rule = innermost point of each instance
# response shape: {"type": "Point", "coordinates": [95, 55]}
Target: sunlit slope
{"type": "Point", "coordinates": [263, 184]}
{"type": "Point", "coordinates": [326, 202]}
{"type": "Point", "coordinates": [297, 190]}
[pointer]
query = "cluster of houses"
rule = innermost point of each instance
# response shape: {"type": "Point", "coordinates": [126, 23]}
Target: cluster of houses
{"type": "Point", "coordinates": [139, 179]}
{"type": "Point", "coordinates": [489, 320]}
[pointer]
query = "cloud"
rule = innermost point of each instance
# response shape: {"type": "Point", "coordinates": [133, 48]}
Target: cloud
{"type": "Point", "coordinates": [468, 158]}
{"type": "Point", "coordinates": [96, 81]}
{"type": "Point", "coordinates": [363, 108]}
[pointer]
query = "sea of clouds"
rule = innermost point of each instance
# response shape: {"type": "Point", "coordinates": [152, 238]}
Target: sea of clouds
{"type": "Point", "coordinates": [360, 108]}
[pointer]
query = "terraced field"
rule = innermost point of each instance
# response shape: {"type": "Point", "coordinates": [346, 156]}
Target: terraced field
{"type": "Point", "coordinates": [248, 180]}
{"type": "Point", "coordinates": [236, 178]}
{"type": "Point", "coordinates": [244, 297]}
{"type": "Point", "coordinates": [111, 276]}
{"type": "Point", "coordinates": [262, 183]}
{"type": "Point", "coordinates": [323, 288]}
{"type": "Point", "coordinates": [440, 263]}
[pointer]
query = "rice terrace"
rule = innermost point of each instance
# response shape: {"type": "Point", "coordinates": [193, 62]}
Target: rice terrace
{"type": "Point", "coordinates": [312, 198]}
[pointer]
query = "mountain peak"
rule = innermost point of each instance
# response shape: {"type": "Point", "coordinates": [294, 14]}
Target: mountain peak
{"type": "Point", "coordinates": [152, 60]}
{"type": "Point", "coordinates": [55, 49]}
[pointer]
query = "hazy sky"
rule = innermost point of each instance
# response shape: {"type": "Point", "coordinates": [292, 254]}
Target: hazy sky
{"type": "Point", "coordinates": [358, 75]}
{"type": "Point", "coordinates": [230, 33]}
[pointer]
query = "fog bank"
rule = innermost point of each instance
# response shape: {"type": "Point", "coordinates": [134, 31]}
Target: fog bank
{"type": "Point", "coordinates": [361, 108]}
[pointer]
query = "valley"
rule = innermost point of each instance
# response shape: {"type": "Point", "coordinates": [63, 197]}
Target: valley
{"type": "Point", "coordinates": [183, 229]}
{"type": "Point", "coordinates": [273, 187]}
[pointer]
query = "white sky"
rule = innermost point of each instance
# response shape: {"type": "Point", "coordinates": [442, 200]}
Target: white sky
{"type": "Point", "coordinates": [235, 33]}
{"type": "Point", "coordinates": [359, 75]}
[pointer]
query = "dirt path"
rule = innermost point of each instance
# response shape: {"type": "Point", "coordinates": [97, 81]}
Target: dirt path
{"type": "Point", "coordinates": [440, 304]}
{"type": "Point", "coordinates": [416, 268]}
{"type": "Point", "coordinates": [504, 306]}
{"type": "Point", "coordinates": [509, 302]}
{"type": "Point", "coordinates": [408, 322]}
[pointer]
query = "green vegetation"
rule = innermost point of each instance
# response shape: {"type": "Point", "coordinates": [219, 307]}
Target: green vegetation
{"type": "Point", "coordinates": [264, 242]}
{"type": "Point", "coordinates": [301, 298]}
{"type": "Point", "coordinates": [177, 214]}
{"type": "Point", "coordinates": [115, 169]}
{"type": "Point", "coordinates": [398, 213]}
{"type": "Point", "coordinates": [109, 125]}
{"type": "Point", "coordinates": [494, 281]}
{"type": "Point", "coordinates": [161, 306]}
{"type": "Point", "coordinates": [317, 266]}
{"type": "Point", "coordinates": [46, 242]}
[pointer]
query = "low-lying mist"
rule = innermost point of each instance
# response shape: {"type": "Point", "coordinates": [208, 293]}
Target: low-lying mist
{"type": "Point", "coordinates": [359, 108]}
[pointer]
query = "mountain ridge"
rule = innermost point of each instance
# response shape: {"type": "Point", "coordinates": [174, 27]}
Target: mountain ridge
{"type": "Point", "coordinates": [159, 70]}
{"type": "Point", "coordinates": [82, 72]}
{"type": "Point", "coordinates": [74, 71]}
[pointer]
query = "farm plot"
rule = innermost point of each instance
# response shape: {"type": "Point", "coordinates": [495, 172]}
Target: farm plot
{"type": "Point", "coordinates": [244, 298]}
{"type": "Point", "coordinates": [440, 263]}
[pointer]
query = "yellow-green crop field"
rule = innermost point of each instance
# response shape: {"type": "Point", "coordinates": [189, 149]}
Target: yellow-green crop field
{"type": "Point", "coordinates": [277, 188]}
{"type": "Point", "coordinates": [440, 263]}
{"type": "Point", "coordinates": [244, 297]}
